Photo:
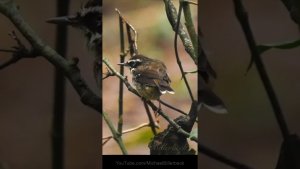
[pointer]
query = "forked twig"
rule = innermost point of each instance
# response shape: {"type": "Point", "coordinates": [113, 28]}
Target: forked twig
{"type": "Point", "coordinates": [143, 125]}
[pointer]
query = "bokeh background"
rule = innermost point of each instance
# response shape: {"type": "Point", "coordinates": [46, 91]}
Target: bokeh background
{"type": "Point", "coordinates": [26, 99]}
{"type": "Point", "coordinates": [155, 40]}
{"type": "Point", "coordinates": [249, 133]}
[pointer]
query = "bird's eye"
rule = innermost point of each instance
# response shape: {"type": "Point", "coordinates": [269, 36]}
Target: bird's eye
{"type": "Point", "coordinates": [134, 63]}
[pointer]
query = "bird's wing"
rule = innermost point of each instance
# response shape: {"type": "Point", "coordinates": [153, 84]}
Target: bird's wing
{"type": "Point", "coordinates": [152, 78]}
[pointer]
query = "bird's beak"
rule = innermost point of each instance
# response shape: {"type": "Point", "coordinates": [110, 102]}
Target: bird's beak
{"type": "Point", "coordinates": [63, 20]}
{"type": "Point", "coordinates": [124, 64]}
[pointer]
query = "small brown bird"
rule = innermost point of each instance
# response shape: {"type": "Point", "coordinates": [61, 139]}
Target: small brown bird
{"type": "Point", "coordinates": [149, 77]}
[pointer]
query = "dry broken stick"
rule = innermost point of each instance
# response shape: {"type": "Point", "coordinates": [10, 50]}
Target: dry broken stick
{"type": "Point", "coordinates": [131, 34]}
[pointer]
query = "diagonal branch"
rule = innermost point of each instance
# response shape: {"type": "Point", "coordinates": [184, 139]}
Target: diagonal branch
{"type": "Point", "coordinates": [177, 55]}
{"type": "Point", "coordinates": [70, 69]}
{"type": "Point", "coordinates": [172, 17]}
{"type": "Point", "coordinates": [242, 16]}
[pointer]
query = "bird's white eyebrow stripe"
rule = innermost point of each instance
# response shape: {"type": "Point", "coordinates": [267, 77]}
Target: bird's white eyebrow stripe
{"type": "Point", "coordinates": [136, 60]}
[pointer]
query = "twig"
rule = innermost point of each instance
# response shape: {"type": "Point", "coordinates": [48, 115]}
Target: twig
{"type": "Point", "coordinates": [108, 74]}
{"type": "Point", "coordinates": [151, 121]}
{"type": "Point", "coordinates": [172, 122]}
{"type": "Point", "coordinates": [12, 60]}
{"type": "Point", "coordinates": [172, 107]}
{"type": "Point", "coordinates": [106, 140]}
{"type": "Point", "coordinates": [191, 72]}
{"type": "Point", "coordinates": [132, 129]}
{"type": "Point", "coordinates": [243, 19]}
{"type": "Point", "coordinates": [9, 9]}
{"type": "Point", "coordinates": [115, 133]}
{"type": "Point", "coordinates": [19, 52]}
{"type": "Point", "coordinates": [177, 55]}
{"type": "Point", "coordinates": [122, 58]}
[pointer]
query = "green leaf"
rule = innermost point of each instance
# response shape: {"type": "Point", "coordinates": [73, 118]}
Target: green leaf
{"type": "Point", "coordinates": [285, 45]}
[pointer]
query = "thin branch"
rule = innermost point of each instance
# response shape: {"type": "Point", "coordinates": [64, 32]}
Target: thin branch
{"type": "Point", "coordinates": [177, 127]}
{"type": "Point", "coordinates": [106, 141]}
{"type": "Point", "coordinates": [172, 107]}
{"type": "Point", "coordinates": [108, 74]}
{"type": "Point", "coordinates": [243, 19]}
{"type": "Point", "coordinates": [191, 72]}
{"type": "Point", "coordinates": [177, 55]}
{"type": "Point", "coordinates": [143, 125]}
{"type": "Point", "coordinates": [12, 60]}
{"type": "Point", "coordinates": [151, 121]}
{"type": "Point", "coordinates": [10, 10]}
{"type": "Point", "coordinates": [115, 133]}
{"type": "Point", "coordinates": [19, 52]}
{"type": "Point", "coordinates": [121, 93]}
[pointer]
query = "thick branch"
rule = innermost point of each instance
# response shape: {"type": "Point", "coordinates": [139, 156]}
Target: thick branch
{"type": "Point", "coordinates": [172, 17]}
{"type": "Point", "coordinates": [190, 25]}
{"type": "Point", "coordinates": [9, 9]}
{"type": "Point", "coordinates": [115, 133]}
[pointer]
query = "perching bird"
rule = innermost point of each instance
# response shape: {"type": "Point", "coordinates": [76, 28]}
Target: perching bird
{"type": "Point", "coordinates": [149, 76]}
{"type": "Point", "coordinates": [89, 20]}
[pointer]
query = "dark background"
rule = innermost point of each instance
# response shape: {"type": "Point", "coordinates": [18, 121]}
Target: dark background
{"type": "Point", "coordinates": [249, 133]}
{"type": "Point", "coordinates": [26, 99]}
